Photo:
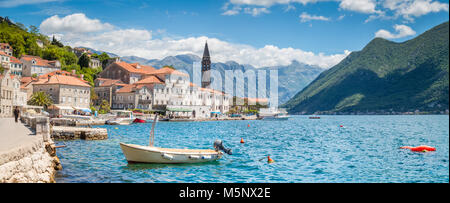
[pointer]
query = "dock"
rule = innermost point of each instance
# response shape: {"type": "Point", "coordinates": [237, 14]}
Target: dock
{"type": "Point", "coordinates": [76, 133]}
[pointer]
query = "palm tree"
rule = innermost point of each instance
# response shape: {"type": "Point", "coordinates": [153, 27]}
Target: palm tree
{"type": "Point", "coordinates": [40, 99]}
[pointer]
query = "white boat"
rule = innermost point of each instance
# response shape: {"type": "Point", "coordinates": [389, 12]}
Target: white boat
{"type": "Point", "coordinates": [273, 114]}
{"type": "Point", "coordinates": [146, 154]}
{"type": "Point", "coordinates": [151, 154]}
{"type": "Point", "coordinates": [122, 118]}
{"type": "Point", "coordinates": [276, 117]}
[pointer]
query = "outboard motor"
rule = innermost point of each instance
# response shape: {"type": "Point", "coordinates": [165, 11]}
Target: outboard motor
{"type": "Point", "coordinates": [218, 145]}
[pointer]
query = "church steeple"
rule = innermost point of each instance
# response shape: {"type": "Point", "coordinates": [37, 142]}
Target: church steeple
{"type": "Point", "coordinates": [206, 67]}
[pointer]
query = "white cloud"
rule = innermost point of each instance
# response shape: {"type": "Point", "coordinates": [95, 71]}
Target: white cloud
{"type": "Point", "coordinates": [269, 3]}
{"type": "Point", "coordinates": [75, 23]}
{"type": "Point", "coordinates": [138, 42]}
{"type": "Point", "coordinates": [361, 6]}
{"type": "Point", "coordinates": [415, 8]}
{"type": "Point", "coordinates": [256, 11]}
{"type": "Point", "coordinates": [402, 31]}
{"type": "Point", "coordinates": [14, 3]}
{"type": "Point", "coordinates": [305, 17]}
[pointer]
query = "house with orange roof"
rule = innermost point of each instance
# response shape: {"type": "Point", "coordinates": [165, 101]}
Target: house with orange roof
{"type": "Point", "coordinates": [16, 66]}
{"type": "Point", "coordinates": [5, 47]}
{"type": "Point", "coordinates": [5, 60]}
{"type": "Point", "coordinates": [133, 96]}
{"type": "Point", "coordinates": [36, 65]}
{"type": "Point", "coordinates": [105, 89]}
{"type": "Point", "coordinates": [129, 73]}
{"type": "Point", "coordinates": [65, 91]}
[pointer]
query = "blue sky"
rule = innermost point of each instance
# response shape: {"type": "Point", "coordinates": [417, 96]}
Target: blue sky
{"type": "Point", "coordinates": [261, 33]}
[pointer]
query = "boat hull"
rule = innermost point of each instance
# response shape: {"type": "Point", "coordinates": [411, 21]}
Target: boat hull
{"type": "Point", "coordinates": [138, 120]}
{"type": "Point", "coordinates": [146, 154]}
{"type": "Point", "coordinates": [126, 121]}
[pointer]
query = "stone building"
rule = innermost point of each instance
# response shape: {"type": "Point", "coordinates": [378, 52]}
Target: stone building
{"type": "Point", "coordinates": [129, 73]}
{"type": "Point", "coordinates": [36, 65]}
{"type": "Point", "coordinates": [9, 93]}
{"type": "Point", "coordinates": [105, 89]}
{"type": "Point", "coordinates": [64, 90]}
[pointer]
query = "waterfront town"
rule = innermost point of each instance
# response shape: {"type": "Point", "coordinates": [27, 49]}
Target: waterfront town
{"type": "Point", "coordinates": [56, 104]}
{"type": "Point", "coordinates": [120, 85]}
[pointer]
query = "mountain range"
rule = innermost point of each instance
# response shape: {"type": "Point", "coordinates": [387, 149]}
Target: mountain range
{"type": "Point", "coordinates": [383, 77]}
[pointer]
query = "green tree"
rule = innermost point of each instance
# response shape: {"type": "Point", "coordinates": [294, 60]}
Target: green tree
{"type": "Point", "coordinates": [56, 42]}
{"type": "Point", "coordinates": [40, 99]}
{"type": "Point", "coordinates": [34, 29]}
{"type": "Point", "coordinates": [104, 107]}
{"type": "Point", "coordinates": [83, 61]}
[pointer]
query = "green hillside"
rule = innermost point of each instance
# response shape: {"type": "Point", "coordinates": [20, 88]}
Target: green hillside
{"type": "Point", "coordinates": [383, 77]}
{"type": "Point", "coordinates": [24, 42]}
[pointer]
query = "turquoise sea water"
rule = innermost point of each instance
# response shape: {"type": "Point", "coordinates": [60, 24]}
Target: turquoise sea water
{"type": "Point", "coordinates": [365, 149]}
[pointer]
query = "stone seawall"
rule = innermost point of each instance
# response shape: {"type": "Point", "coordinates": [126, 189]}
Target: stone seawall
{"type": "Point", "coordinates": [30, 163]}
{"type": "Point", "coordinates": [28, 158]}
{"type": "Point", "coordinates": [75, 133]}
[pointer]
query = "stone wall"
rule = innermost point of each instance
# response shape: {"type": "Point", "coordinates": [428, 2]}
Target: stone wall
{"type": "Point", "coordinates": [75, 133]}
{"type": "Point", "coordinates": [34, 162]}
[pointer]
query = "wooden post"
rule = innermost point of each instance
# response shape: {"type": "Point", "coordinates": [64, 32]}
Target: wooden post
{"type": "Point", "coordinates": [152, 132]}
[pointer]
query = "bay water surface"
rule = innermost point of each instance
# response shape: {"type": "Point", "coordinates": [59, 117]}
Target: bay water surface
{"type": "Point", "coordinates": [365, 149]}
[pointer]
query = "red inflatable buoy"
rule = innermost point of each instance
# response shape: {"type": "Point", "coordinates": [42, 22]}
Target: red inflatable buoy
{"type": "Point", "coordinates": [422, 148]}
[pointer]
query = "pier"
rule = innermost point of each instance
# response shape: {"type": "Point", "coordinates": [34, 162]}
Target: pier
{"type": "Point", "coordinates": [75, 133]}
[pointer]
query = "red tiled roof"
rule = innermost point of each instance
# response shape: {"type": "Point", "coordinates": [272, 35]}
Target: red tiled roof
{"type": "Point", "coordinates": [39, 60]}
{"type": "Point", "coordinates": [61, 72]}
{"type": "Point", "coordinates": [15, 60]}
{"type": "Point", "coordinates": [167, 70]}
{"type": "Point", "coordinates": [150, 80]}
{"type": "Point", "coordinates": [135, 67]}
{"type": "Point", "coordinates": [108, 82]}
{"type": "Point", "coordinates": [3, 53]}
{"type": "Point", "coordinates": [131, 88]}
{"type": "Point", "coordinates": [62, 80]}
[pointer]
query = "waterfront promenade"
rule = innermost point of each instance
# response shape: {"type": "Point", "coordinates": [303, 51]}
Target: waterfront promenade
{"type": "Point", "coordinates": [13, 135]}
{"type": "Point", "coordinates": [24, 157]}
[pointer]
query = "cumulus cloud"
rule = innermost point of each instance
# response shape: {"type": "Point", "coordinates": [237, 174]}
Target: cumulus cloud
{"type": "Point", "coordinates": [140, 42]}
{"type": "Point", "coordinates": [408, 9]}
{"type": "Point", "coordinates": [305, 17]}
{"type": "Point", "coordinates": [402, 31]}
{"type": "Point", "coordinates": [361, 6]}
{"type": "Point", "coordinates": [414, 8]}
{"type": "Point", "coordinates": [256, 11]}
{"type": "Point", "coordinates": [75, 23]}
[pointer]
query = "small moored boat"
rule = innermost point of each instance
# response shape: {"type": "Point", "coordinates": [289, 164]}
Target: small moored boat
{"type": "Point", "coordinates": [151, 154]}
{"type": "Point", "coordinates": [122, 118]}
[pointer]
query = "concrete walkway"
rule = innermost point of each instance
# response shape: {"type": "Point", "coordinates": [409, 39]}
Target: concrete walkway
{"type": "Point", "coordinates": [14, 134]}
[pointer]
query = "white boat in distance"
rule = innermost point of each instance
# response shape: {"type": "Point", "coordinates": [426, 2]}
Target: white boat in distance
{"type": "Point", "coordinates": [150, 154]}
{"type": "Point", "coordinates": [122, 118]}
{"type": "Point", "coordinates": [273, 114]}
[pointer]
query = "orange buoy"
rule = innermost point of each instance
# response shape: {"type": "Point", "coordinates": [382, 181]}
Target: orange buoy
{"type": "Point", "coordinates": [248, 125]}
{"type": "Point", "coordinates": [242, 140]}
{"type": "Point", "coordinates": [269, 160]}
{"type": "Point", "coordinates": [422, 148]}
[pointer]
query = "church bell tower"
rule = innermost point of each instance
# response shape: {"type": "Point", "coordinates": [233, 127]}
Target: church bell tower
{"type": "Point", "coordinates": [206, 67]}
